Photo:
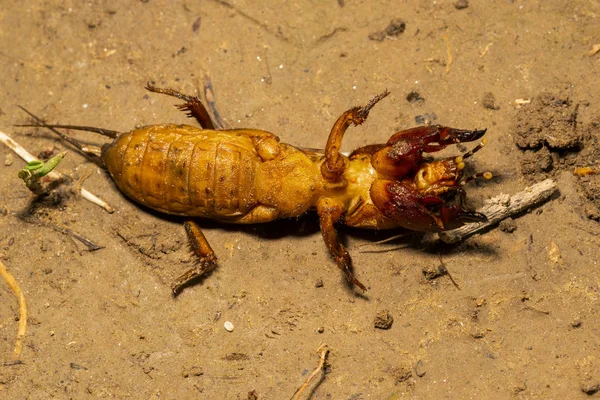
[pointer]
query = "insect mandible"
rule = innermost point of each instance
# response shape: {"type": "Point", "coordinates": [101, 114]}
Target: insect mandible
{"type": "Point", "coordinates": [247, 176]}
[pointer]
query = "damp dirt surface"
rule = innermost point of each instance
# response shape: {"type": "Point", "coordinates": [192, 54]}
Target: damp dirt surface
{"type": "Point", "coordinates": [522, 320]}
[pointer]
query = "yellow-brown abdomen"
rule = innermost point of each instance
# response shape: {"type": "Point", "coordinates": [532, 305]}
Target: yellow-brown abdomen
{"type": "Point", "coordinates": [180, 169]}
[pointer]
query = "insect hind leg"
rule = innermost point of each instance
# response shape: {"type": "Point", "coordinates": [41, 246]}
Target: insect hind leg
{"type": "Point", "coordinates": [207, 260]}
{"type": "Point", "coordinates": [192, 106]}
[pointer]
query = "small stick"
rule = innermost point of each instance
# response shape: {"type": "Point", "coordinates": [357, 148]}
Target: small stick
{"type": "Point", "coordinates": [12, 282]}
{"type": "Point", "coordinates": [448, 51]}
{"type": "Point", "coordinates": [324, 351]}
{"type": "Point", "coordinates": [91, 246]}
{"type": "Point", "coordinates": [502, 207]}
{"type": "Point", "coordinates": [25, 155]}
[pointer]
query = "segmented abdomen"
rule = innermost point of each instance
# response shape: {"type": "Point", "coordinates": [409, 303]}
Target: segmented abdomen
{"type": "Point", "coordinates": [180, 169]}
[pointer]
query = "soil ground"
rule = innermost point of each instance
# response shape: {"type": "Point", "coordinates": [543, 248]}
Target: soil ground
{"type": "Point", "coordinates": [525, 321]}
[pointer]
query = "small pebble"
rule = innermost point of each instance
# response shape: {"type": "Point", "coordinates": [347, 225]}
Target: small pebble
{"type": "Point", "coordinates": [590, 387]}
{"type": "Point", "coordinates": [414, 96]}
{"type": "Point", "coordinates": [319, 283]}
{"type": "Point", "coordinates": [420, 369]}
{"type": "Point", "coordinates": [461, 4]}
{"type": "Point", "coordinates": [321, 329]}
{"type": "Point", "coordinates": [228, 326]}
{"type": "Point", "coordinates": [576, 323]}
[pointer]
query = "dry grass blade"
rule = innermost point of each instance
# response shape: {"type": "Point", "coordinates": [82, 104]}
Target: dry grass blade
{"type": "Point", "coordinates": [321, 367]}
{"type": "Point", "coordinates": [12, 282]}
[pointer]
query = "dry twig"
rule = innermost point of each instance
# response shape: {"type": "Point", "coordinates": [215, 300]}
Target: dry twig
{"type": "Point", "coordinates": [502, 207]}
{"type": "Point", "coordinates": [25, 155]}
{"type": "Point", "coordinates": [321, 367]}
{"type": "Point", "coordinates": [12, 282]}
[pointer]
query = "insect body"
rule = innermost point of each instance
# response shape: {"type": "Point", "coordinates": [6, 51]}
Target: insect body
{"type": "Point", "coordinates": [245, 176]}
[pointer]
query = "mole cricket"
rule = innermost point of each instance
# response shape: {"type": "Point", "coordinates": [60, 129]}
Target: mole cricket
{"type": "Point", "coordinates": [247, 176]}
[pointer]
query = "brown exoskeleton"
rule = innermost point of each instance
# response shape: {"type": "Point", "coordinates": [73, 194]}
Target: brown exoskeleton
{"type": "Point", "coordinates": [246, 176]}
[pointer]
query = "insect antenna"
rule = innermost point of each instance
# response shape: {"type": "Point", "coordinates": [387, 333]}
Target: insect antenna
{"type": "Point", "coordinates": [475, 149]}
{"type": "Point", "coordinates": [94, 152]}
{"type": "Point", "coordinates": [487, 175]}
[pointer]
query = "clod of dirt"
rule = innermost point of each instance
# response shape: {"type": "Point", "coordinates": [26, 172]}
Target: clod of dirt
{"type": "Point", "coordinates": [414, 97]}
{"type": "Point", "coordinates": [432, 272]}
{"type": "Point", "coordinates": [478, 334]}
{"type": "Point", "coordinates": [461, 4]}
{"type": "Point", "coordinates": [319, 283]}
{"type": "Point", "coordinates": [192, 371]}
{"type": "Point", "coordinates": [395, 28]}
{"type": "Point", "coordinates": [489, 101]}
{"type": "Point", "coordinates": [592, 212]}
{"type": "Point", "coordinates": [553, 138]}
{"type": "Point", "coordinates": [548, 121]}
{"type": "Point", "coordinates": [508, 225]}
{"type": "Point", "coordinates": [252, 395]}
{"type": "Point", "coordinates": [384, 319]}
{"type": "Point", "coordinates": [401, 374]}
{"type": "Point", "coordinates": [236, 357]}
{"type": "Point", "coordinates": [533, 161]}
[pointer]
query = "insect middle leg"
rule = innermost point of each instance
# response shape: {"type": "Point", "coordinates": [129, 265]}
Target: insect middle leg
{"type": "Point", "coordinates": [330, 211]}
{"type": "Point", "coordinates": [207, 260]}
{"type": "Point", "coordinates": [193, 106]}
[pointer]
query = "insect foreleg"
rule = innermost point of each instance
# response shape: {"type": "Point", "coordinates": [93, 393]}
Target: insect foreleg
{"type": "Point", "coordinates": [334, 165]}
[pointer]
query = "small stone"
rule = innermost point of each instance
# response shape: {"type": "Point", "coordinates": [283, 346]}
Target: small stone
{"type": "Point", "coordinates": [554, 254]}
{"type": "Point", "coordinates": [508, 225]}
{"type": "Point", "coordinates": [384, 319]}
{"type": "Point", "coordinates": [414, 97]}
{"type": "Point", "coordinates": [478, 334]}
{"type": "Point", "coordinates": [461, 4]}
{"type": "Point", "coordinates": [8, 160]}
{"type": "Point", "coordinates": [319, 283]}
{"type": "Point", "coordinates": [576, 323]}
{"type": "Point", "coordinates": [228, 326]}
{"type": "Point", "coordinates": [321, 329]}
{"type": "Point", "coordinates": [420, 369]}
{"type": "Point", "coordinates": [590, 387]}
